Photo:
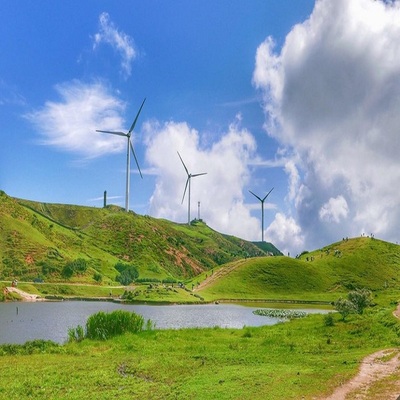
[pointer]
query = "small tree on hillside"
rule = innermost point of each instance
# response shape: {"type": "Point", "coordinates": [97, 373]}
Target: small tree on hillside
{"type": "Point", "coordinates": [357, 300]}
{"type": "Point", "coordinates": [127, 273]}
{"type": "Point", "coordinates": [345, 307]}
{"type": "Point", "coordinates": [361, 298]}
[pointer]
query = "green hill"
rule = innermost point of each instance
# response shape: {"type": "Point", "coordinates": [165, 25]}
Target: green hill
{"type": "Point", "coordinates": [39, 240]}
{"type": "Point", "coordinates": [75, 244]}
{"type": "Point", "coordinates": [324, 274]}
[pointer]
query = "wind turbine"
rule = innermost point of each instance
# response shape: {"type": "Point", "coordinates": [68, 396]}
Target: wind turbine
{"type": "Point", "coordinates": [190, 176]}
{"type": "Point", "coordinates": [128, 153]}
{"type": "Point", "coordinates": [262, 210]}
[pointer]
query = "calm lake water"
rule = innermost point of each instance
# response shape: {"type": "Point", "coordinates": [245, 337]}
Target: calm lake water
{"type": "Point", "coordinates": [20, 322]}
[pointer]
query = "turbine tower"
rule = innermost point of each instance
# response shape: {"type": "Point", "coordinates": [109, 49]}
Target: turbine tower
{"type": "Point", "coordinates": [189, 177]}
{"type": "Point", "coordinates": [262, 211]}
{"type": "Point", "coordinates": [128, 153]}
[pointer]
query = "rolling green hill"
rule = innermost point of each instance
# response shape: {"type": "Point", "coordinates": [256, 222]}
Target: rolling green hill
{"type": "Point", "coordinates": [38, 241]}
{"type": "Point", "coordinates": [324, 274]}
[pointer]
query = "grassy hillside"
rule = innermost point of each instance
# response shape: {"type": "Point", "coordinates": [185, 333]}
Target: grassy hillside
{"type": "Point", "coordinates": [324, 274]}
{"type": "Point", "coordinates": [39, 240]}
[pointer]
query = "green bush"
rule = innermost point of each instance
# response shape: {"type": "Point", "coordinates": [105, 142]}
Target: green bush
{"type": "Point", "coordinates": [103, 326]}
{"type": "Point", "coordinates": [97, 277]}
{"type": "Point", "coordinates": [127, 273]}
{"type": "Point", "coordinates": [78, 266]}
{"type": "Point", "coordinates": [361, 298]}
{"type": "Point", "coordinates": [345, 307]}
{"type": "Point", "coordinates": [328, 320]}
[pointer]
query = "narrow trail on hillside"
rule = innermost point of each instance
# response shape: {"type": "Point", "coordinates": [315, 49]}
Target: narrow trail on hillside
{"type": "Point", "coordinates": [221, 272]}
{"type": "Point", "coordinates": [380, 369]}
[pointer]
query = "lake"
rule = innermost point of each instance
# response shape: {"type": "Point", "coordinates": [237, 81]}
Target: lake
{"type": "Point", "coordinates": [23, 321]}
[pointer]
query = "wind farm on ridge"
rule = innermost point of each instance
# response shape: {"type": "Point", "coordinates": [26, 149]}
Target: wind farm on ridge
{"type": "Point", "coordinates": [189, 175]}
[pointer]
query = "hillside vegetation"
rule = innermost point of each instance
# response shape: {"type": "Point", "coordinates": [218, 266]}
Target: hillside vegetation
{"type": "Point", "coordinates": [324, 274]}
{"type": "Point", "coordinates": [56, 242]}
{"type": "Point", "coordinates": [73, 244]}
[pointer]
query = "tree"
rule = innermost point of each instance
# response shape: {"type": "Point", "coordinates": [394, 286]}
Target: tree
{"type": "Point", "coordinates": [127, 273]}
{"type": "Point", "coordinates": [77, 266]}
{"type": "Point", "coordinates": [361, 298]}
{"type": "Point", "coordinates": [345, 307]}
{"type": "Point", "coordinates": [357, 300]}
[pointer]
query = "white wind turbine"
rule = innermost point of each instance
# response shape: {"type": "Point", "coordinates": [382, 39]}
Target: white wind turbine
{"type": "Point", "coordinates": [262, 211]}
{"type": "Point", "coordinates": [128, 153]}
{"type": "Point", "coordinates": [190, 176]}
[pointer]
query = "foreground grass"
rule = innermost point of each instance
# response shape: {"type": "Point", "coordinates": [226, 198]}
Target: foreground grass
{"type": "Point", "coordinates": [300, 359]}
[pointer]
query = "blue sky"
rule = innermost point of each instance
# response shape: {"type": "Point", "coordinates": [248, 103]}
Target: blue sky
{"type": "Point", "coordinates": [297, 95]}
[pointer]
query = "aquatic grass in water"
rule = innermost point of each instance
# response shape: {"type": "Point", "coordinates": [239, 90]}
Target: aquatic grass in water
{"type": "Point", "coordinates": [103, 325]}
{"type": "Point", "coordinates": [277, 313]}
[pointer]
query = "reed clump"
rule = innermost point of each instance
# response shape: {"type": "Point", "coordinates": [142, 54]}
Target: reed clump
{"type": "Point", "coordinates": [103, 326]}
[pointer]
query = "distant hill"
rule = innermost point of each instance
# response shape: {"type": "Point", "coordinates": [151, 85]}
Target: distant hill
{"type": "Point", "coordinates": [268, 248]}
{"type": "Point", "coordinates": [322, 274]}
{"type": "Point", "coordinates": [38, 240]}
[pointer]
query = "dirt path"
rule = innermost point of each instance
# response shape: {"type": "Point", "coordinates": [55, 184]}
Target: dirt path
{"type": "Point", "coordinates": [25, 296]}
{"type": "Point", "coordinates": [373, 371]}
{"type": "Point", "coordinates": [219, 273]}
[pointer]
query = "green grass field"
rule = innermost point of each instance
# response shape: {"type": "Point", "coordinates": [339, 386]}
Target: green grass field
{"type": "Point", "coordinates": [300, 359]}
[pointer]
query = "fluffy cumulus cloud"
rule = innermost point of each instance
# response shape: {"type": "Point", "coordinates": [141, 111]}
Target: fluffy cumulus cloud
{"type": "Point", "coordinates": [220, 191]}
{"type": "Point", "coordinates": [334, 210]}
{"type": "Point", "coordinates": [70, 124]}
{"type": "Point", "coordinates": [285, 234]}
{"type": "Point", "coordinates": [331, 97]}
{"type": "Point", "coordinates": [119, 41]}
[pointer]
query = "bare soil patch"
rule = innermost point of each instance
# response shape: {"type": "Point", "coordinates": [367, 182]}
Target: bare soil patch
{"type": "Point", "coordinates": [24, 295]}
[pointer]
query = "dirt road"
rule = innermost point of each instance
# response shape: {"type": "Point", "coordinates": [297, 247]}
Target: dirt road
{"type": "Point", "coordinates": [377, 379]}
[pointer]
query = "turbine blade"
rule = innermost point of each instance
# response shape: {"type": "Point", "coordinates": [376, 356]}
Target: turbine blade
{"type": "Point", "coordinates": [255, 195]}
{"type": "Point", "coordinates": [184, 192]}
{"type": "Point", "coordinates": [184, 166]}
{"type": "Point", "coordinates": [137, 116]}
{"type": "Point", "coordinates": [194, 175]}
{"type": "Point", "coordinates": [134, 156]}
{"type": "Point", "coordinates": [267, 194]}
{"type": "Point", "coordinates": [113, 133]}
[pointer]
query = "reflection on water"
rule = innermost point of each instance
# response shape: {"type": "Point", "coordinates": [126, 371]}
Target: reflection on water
{"type": "Point", "coordinates": [20, 322]}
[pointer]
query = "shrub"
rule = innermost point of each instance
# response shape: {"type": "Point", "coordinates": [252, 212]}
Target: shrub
{"type": "Point", "coordinates": [77, 266]}
{"type": "Point", "coordinates": [97, 277]}
{"type": "Point", "coordinates": [361, 298]}
{"type": "Point", "coordinates": [127, 273]}
{"type": "Point", "coordinates": [328, 320]}
{"type": "Point", "coordinates": [345, 307]}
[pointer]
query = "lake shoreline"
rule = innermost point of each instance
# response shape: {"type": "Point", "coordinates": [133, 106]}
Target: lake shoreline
{"type": "Point", "coordinates": [34, 298]}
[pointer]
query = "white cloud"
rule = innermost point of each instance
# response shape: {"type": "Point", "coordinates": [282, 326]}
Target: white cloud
{"type": "Point", "coordinates": [71, 123]}
{"type": "Point", "coordinates": [331, 97]}
{"type": "Point", "coordinates": [220, 192]}
{"type": "Point", "coordinates": [285, 234]}
{"type": "Point", "coordinates": [119, 41]}
{"type": "Point", "coordinates": [334, 210]}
